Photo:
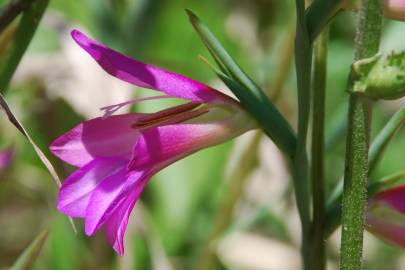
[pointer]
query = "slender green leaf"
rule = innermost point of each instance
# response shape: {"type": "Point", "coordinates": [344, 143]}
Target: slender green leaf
{"type": "Point", "coordinates": [250, 95]}
{"type": "Point", "coordinates": [30, 254]}
{"type": "Point", "coordinates": [384, 137]}
{"type": "Point", "coordinates": [24, 33]}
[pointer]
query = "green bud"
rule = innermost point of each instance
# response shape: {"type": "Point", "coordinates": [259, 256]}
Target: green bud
{"type": "Point", "coordinates": [380, 77]}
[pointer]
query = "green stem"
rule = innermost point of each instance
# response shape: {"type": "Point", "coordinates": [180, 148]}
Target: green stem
{"type": "Point", "coordinates": [24, 33]}
{"type": "Point", "coordinates": [319, 14]}
{"type": "Point", "coordinates": [355, 183]}
{"type": "Point", "coordinates": [377, 148]}
{"type": "Point", "coordinates": [303, 55]}
{"type": "Point", "coordinates": [317, 152]}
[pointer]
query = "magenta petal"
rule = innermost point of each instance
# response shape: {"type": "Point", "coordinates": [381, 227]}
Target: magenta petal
{"type": "Point", "coordinates": [395, 197]}
{"type": "Point", "coordinates": [148, 76]}
{"type": "Point", "coordinates": [112, 136]}
{"type": "Point", "coordinates": [6, 156]}
{"type": "Point", "coordinates": [116, 225]}
{"type": "Point", "coordinates": [109, 195]}
{"type": "Point", "coordinates": [158, 147]}
{"type": "Point", "coordinates": [390, 232]}
{"type": "Point", "coordinates": [76, 190]}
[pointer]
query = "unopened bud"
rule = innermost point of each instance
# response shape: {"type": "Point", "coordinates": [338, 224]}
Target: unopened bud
{"type": "Point", "coordinates": [380, 77]}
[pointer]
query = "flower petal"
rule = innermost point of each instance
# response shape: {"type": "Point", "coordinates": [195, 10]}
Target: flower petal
{"type": "Point", "coordinates": [160, 146]}
{"type": "Point", "coordinates": [394, 197]}
{"type": "Point", "coordinates": [116, 224]}
{"type": "Point", "coordinates": [386, 215]}
{"type": "Point", "coordinates": [76, 190]}
{"type": "Point", "coordinates": [391, 232]}
{"type": "Point", "coordinates": [112, 136]}
{"type": "Point", "coordinates": [148, 76]}
{"type": "Point", "coordinates": [110, 195]}
{"type": "Point", "coordinates": [6, 156]}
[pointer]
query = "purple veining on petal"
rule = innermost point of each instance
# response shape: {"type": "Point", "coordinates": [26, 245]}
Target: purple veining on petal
{"type": "Point", "coordinates": [148, 76]}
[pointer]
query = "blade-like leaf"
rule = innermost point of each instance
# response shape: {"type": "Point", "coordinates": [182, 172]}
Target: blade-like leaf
{"type": "Point", "coordinates": [250, 95]}
{"type": "Point", "coordinates": [41, 155]}
{"type": "Point", "coordinates": [24, 33]}
{"type": "Point", "coordinates": [30, 254]}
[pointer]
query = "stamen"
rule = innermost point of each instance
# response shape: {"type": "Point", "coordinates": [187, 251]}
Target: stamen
{"type": "Point", "coordinates": [166, 113]}
{"type": "Point", "coordinates": [172, 119]}
{"type": "Point", "coordinates": [110, 110]}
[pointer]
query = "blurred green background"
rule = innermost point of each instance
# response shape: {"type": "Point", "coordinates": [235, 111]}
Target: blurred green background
{"type": "Point", "coordinates": [244, 183]}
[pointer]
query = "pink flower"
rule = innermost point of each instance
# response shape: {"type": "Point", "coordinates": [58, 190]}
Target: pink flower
{"type": "Point", "coordinates": [6, 156]}
{"type": "Point", "coordinates": [386, 215]}
{"type": "Point", "coordinates": [118, 154]}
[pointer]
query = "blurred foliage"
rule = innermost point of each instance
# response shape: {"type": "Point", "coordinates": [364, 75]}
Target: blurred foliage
{"type": "Point", "coordinates": [180, 203]}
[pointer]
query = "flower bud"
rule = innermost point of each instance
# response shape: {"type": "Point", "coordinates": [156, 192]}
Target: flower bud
{"type": "Point", "coordinates": [380, 77]}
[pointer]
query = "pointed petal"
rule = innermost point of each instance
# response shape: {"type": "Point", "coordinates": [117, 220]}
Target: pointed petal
{"type": "Point", "coordinates": [116, 224]}
{"type": "Point", "coordinates": [109, 195]}
{"type": "Point", "coordinates": [76, 190]}
{"type": "Point", "coordinates": [148, 76]}
{"type": "Point", "coordinates": [112, 136]}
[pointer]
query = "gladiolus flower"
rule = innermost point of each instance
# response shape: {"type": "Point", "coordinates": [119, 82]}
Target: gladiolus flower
{"type": "Point", "coordinates": [118, 154]}
{"type": "Point", "coordinates": [6, 156]}
{"type": "Point", "coordinates": [386, 215]}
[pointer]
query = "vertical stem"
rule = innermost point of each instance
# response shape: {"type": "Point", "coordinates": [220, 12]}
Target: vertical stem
{"type": "Point", "coordinates": [317, 152]}
{"type": "Point", "coordinates": [356, 170]}
{"type": "Point", "coordinates": [303, 54]}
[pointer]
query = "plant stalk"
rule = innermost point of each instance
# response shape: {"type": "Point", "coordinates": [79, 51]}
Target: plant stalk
{"type": "Point", "coordinates": [368, 34]}
{"type": "Point", "coordinates": [300, 165]}
{"type": "Point", "coordinates": [318, 260]}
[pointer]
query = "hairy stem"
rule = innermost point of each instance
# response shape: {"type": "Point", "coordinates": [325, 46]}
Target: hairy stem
{"type": "Point", "coordinates": [357, 146]}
